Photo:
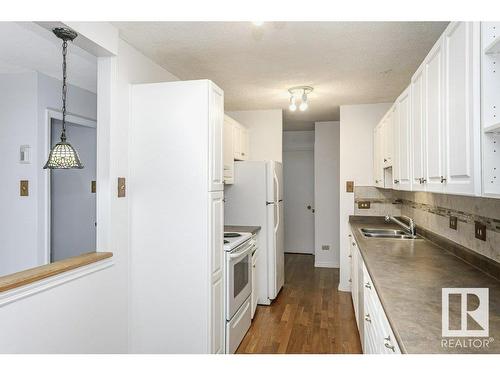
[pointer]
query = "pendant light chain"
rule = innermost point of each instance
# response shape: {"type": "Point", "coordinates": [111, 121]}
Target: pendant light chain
{"type": "Point", "coordinates": [64, 90]}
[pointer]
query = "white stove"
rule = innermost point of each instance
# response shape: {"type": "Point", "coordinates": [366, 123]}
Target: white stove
{"type": "Point", "coordinates": [234, 239]}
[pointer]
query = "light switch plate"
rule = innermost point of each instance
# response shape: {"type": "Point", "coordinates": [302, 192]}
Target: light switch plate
{"type": "Point", "coordinates": [121, 187]}
{"type": "Point", "coordinates": [480, 231]}
{"type": "Point", "coordinates": [364, 205]}
{"type": "Point", "coordinates": [24, 188]}
{"type": "Point", "coordinates": [93, 187]}
{"type": "Point", "coordinates": [349, 186]}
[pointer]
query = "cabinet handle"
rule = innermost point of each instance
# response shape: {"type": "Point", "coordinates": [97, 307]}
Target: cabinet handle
{"type": "Point", "coordinates": [367, 318]}
{"type": "Point", "coordinates": [424, 180]}
{"type": "Point", "coordinates": [354, 244]}
{"type": "Point", "coordinates": [350, 280]}
{"type": "Point", "coordinates": [349, 256]}
{"type": "Point", "coordinates": [242, 154]}
{"type": "Point", "coordinates": [385, 160]}
{"type": "Point", "coordinates": [396, 181]}
{"type": "Point", "coordinates": [443, 179]}
{"type": "Point", "coordinates": [367, 285]}
{"type": "Point", "coordinates": [387, 343]}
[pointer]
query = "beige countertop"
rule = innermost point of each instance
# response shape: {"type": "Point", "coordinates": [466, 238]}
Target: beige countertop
{"type": "Point", "coordinates": [409, 276]}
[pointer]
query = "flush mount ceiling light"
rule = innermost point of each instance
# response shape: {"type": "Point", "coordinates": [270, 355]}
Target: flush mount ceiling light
{"type": "Point", "coordinates": [299, 92]}
{"type": "Point", "coordinates": [258, 23]}
{"type": "Point", "coordinates": [63, 155]}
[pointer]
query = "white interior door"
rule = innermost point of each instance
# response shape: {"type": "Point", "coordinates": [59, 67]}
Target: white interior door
{"type": "Point", "coordinates": [298, 177]}
{"type": "Point", "coordinates": [72, 202]}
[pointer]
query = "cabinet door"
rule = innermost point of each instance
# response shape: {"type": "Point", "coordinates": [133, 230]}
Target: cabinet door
{"type": "Point", "coordinates": [255, 291]}
{"type": "Point", "coordinates": [216, 238]}
{"type": "Point", "coordinates": [403, 142]}
{"type": "Point", "coordinates": [433, 123]}
{"type": "Point", "coordinates": [215, 138]}
{"type": "Point", "coordinates": [228, 152]}
{"type": "Point", "coordinates": [244, 143]}
{"type": "Point", "coordinates": [237, 141]}
{"type": "Point", "coordinates": [417, 126]}
{"type": "Point", "coordinates": [378, 169]}
{"type": "Point", "coordinates": [388, 139]}
{"type": "Point", "coordinates": [461, 40]}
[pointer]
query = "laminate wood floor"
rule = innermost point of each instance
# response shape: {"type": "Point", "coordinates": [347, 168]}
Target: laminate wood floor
{"type": "Point", "coordinates": [309, 315]}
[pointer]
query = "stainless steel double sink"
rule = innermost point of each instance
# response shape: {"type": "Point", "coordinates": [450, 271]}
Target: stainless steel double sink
{"type": "Point", "coordinates": [388, 233]}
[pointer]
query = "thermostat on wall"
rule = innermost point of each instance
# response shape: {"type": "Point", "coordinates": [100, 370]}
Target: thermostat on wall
{"type": "Point", "coordinates": [24, 154]}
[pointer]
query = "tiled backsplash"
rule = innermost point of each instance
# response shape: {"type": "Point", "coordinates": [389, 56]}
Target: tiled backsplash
{"type": "Point", "coordinates": [432, 211]}
{"type": "Point", "coordinates": [381, 201]}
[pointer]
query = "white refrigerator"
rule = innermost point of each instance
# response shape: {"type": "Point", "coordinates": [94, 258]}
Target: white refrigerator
{"type": "Point", "coordinates": [256, 198]}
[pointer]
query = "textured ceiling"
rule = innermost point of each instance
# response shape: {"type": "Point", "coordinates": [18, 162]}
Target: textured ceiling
{"type": "Point", "coordinates": [345, 62]}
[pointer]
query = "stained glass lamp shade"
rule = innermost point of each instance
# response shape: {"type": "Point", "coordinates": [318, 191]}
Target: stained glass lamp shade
{"type": "Point", "coordinates": [63, 156]}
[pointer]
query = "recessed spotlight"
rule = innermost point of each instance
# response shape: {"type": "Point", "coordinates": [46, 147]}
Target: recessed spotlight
{"type": "Point", "coordinates": [258, 23]}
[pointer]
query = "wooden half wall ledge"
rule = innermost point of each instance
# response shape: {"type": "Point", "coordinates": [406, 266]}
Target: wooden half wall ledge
{"type": "Point", "coordinates": [31, 275]}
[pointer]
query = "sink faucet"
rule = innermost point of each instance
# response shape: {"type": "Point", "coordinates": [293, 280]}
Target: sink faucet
{"type": "Point", "coordinates": [409, 228]}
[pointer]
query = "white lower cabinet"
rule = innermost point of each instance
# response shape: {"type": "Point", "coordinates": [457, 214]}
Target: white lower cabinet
{"type": "Point", "coordinates": [255, 291]}
{"type": "Point", "coordinates": [375, 331]}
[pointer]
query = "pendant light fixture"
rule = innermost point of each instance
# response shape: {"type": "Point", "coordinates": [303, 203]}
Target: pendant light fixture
{"type": "Point", "coordinates": [63, 155]}
{"type": "Point", "coordinates": [299, 92]}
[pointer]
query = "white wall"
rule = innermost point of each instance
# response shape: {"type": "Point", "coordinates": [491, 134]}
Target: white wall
{"type": "Point", "coordinates": [265, 128]}
{"type": "Point", "coordinates": [326, 184]}
{"type": "Point", "coordinates": [18, 215]}
{"type": "Point", "coordinates": [298, 184]}
{"type": "Point", "coordinates": [356, 164]}
{"type": "Point", "coordinates": [90, 314]}
{"type": "Point", "coordinates": [24, 100]}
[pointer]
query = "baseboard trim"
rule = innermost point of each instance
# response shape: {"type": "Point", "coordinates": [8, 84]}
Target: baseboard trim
{"type": "Point", "coordinates": [345, 287]}
{"type": "Point", "coordinates": [326, 265]}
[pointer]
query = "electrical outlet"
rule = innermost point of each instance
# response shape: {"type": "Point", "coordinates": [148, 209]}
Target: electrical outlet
{"type": "Point", "coordinates": [364, 205]}
{"type": "Point", "coordinates": [453, 222]}
{"type": "Point", "coordinates": [325, 247]}
{"type": "Point", "coordinates": [480, 231]}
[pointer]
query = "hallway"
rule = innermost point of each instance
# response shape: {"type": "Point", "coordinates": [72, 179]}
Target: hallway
{"type": "Point", "coordinates": [309, 316]}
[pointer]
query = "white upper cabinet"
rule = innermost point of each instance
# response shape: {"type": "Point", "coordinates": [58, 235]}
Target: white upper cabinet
{"type": "Point", "coordinates": [228, 152]}
{"type": "Point", "coordinates": [378, 168]}
{"type": "Point", "coordinates": [216, 123]}
{"type": "Point", "coordinates": [434, 165]}
{"type": "Point", "coordinates": [417, 128]}
{"type": "Point", "coordinates": [444, 116]}
{"type": "Point", "coordinates": [402, 143]}
{"type": "Point", "coordinates": [462, 108]}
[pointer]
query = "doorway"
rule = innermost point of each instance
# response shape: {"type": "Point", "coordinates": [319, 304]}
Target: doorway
{"type": "Point", "coordinates": [298, 177]}
{"type": "Point", "coordinates": [72, 194]}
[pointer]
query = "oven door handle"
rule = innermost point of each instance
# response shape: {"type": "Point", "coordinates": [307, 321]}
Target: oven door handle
{"type": "Point", "coordinates": [240, 254]}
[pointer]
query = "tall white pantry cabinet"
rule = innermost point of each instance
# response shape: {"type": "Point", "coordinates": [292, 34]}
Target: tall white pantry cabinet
{"type": "Point", "coordinates": [177, 218]}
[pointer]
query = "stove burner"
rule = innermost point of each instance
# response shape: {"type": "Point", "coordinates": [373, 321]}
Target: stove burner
{"type": "Point", "coordinates": [231, 234]}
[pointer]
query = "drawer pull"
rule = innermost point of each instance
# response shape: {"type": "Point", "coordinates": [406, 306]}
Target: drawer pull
{"type": "Point", "coordinates": [387, 343]}
{"type": "Point", "coordinates": [367, 318]}
{"type": "Point", "coordinates": [367, 285]}
{"type": "Point", "coordinates": [349, 256]}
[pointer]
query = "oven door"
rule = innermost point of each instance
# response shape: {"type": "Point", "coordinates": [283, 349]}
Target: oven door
{"type": "Point", "coordinates": [239, 277]}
